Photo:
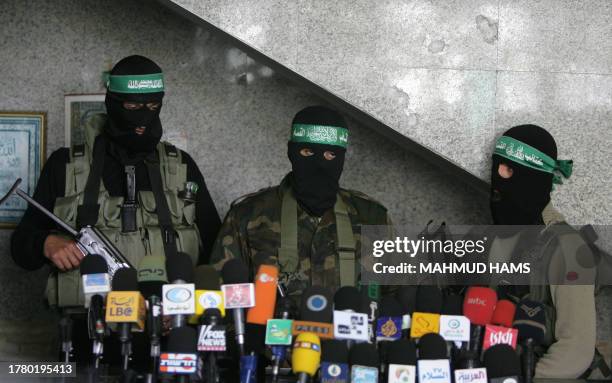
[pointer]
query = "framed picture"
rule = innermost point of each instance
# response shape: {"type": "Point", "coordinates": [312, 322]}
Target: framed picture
{"type": "Point", "coordinates": [22, 154]}
{"type": "Point", "coordinates": [78, 108]}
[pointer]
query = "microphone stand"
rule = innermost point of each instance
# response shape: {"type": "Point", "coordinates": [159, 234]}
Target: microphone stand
{"type": "Point", "coordinates": [154, 317]}
{"type": "Point", "coordinates": [65, 325]}
{"type": "Point", "coordinates": [528, 361]}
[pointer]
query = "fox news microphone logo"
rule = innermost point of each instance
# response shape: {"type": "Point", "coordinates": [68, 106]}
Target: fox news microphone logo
{"type": "Point", "coordinates": [499, 335]}
{"type": "Point", "coordinates": [240, 295]}
{"type": "Point", "coordinates": [181, 364]}
{"type": "Point", "coordinates": [212, 338]}
{"type": "Point", "coordinates": [471, 375]}
{"type": "Point", "coordinates": [334, 373]}
{"type": "Point", "coordinates": [178, 299]}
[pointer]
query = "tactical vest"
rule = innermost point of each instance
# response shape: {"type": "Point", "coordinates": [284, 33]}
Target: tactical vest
{"type": "Point", "coordinates": [288, 255]}
{"type": "Point", "coordinates": [64, 289]}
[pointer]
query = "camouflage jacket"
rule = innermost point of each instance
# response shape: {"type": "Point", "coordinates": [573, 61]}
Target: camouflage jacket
{"type": "Point", "coordinates": [251, 230]}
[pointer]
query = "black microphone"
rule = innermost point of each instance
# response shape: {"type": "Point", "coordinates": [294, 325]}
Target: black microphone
{"type": "Point", "coordinates": [125, 279]}
{"type": "Point", "coordinates": [364, 362]}
{"type": "Point", "coordinates": [94, 272]}
{"type": "Point", "coordinates": [502, 364]}
{"type": "Point", "coordinates": [151, 278]}
{"type": "Point", "coordinates": [406, 296]}
{"type": "Point", "coordinates": [350, 323]}
{"type": "Point", "coordinates": [401, 360]}
{"type": "Point", "coordinates": [426, 316]}
{"type": "Point", "coordinates": [334, 361]}
{"type": "Point", "coordinates": [316, 313]}
{"type": "Point", "coordinates": [530, 321]}
{"type": "Point", "coordinates": [235, 271]}
{"type": "Point", "coordinates": [180, 360]}
{"type": "Point", "coordinates": [433, 359]}
{"type": "Point", "coordinates": [180, 271]}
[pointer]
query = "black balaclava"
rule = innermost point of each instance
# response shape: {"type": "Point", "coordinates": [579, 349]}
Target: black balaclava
{"type": "Point", "coordinates": [314, 179]}
{"type": "Point", "coordinates": [520, 199]}
{"type": "Point", "coordinates": [122, 122]}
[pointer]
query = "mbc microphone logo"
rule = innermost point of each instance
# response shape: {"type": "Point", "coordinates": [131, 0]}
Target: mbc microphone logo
{"type": "Point", "coordinates": [476, 301]}
{"type": "Point", "coordinates": [499, 335]}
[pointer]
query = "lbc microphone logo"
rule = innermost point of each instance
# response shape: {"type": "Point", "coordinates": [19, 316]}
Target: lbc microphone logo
{"type": "Point", "coordinates": [499, 335]}
{"type": "Point", "coordinates": [182, 364]}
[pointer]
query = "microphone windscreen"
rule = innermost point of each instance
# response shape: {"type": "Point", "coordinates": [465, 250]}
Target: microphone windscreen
{"type": "Point", "coordinates": [347, 298]}
{"type": "Point", "coordinates": [503, 314]}
{"type": "Point", "coordinates": [334, 351]}
{"type": "Point", "coordinates": [530, 321]}
{"type": "Point", "coordinates": [428, 299]}
{"type": "Point", "coordinates": [306, 355]}
{"type": "Point", "coordinates": [266, 284]}
{"type": "Point", "coordinates": [406, 295]}
{"type": "Point", "coordinates": [389, 307]}
{"type": "Point", "coordinates": [479, 304]}
{"type": "Point", "coordinates": [501, 360]}
{"type": "Point", "coordinates": [452, 305]}
{"type": "Point", "coordinates": [364, 354]}
{"type": "Point", "coordinates": [149, 289]}
{"type": "Point", "coordinates": [284, 305]}
{"type": "Point", "coordinates": [254, 338]}
{"type": "Point", "coordinates": [316, 305]}
{"type": "Point", "coordinates": [125, 279]}
{"type": "Point", "coordinates": [152, 275]}
{"type": "Point", "coordinates": [180, 267]}
{"type": "Point", "coordinates": [235, 271]}
{"type": "Point", "coordinates": [211, 312]}
{"type": "Point", "coordinates": [206, 278]}
{"type": "Point", "coordinates": [183, 340]}
{"type": "Point", "coordinates": [93, 264]}
{"type": "Point", "coordinates": [432, 346]}
{"type": "Point", "coordinates": [402, 351]}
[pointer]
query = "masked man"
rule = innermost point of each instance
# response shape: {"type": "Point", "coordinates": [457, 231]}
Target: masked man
{"type": "Point", "coordinates": [307, 225]}
{"type": "Point", "coordinates": [145, 196]}
{"type": "Point", "coordinates": [525, 167]}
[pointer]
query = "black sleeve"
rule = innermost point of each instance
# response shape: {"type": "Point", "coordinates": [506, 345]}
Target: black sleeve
{"type": "Point", "coordinates": [207, 218]}
{"type": "Point", "coordinates": [29, 237]}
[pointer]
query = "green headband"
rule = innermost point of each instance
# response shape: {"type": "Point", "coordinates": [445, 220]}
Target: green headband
{"type": "Point", "coordinates": [144, 83]}
{"type": "Point", "coordinates": [526, 155]}
{"type": "Point", "coordinates": [320, 134]}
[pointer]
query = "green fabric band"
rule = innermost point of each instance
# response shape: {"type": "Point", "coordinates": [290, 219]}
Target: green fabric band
{"type": "Point", "coordinates": [523, 154]}
{"type": "Point", "coordinates": [320, 134]}
{"type": "Point", "coordinates": [145, 83]}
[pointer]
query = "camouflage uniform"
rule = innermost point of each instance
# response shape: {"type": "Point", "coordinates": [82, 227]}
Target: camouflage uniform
{"type": "Point", "coordinates": [252, 228]}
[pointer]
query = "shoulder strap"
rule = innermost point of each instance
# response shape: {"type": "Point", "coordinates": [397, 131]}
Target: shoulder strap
{"type": "Point", "coordinates": [345, 244]}
{"type": "Point", "coordinates": [162, 209]}
{"type": "Point", "coordinates": [288, 254]}
{"type": "Point", "coordinates": [87, 213]}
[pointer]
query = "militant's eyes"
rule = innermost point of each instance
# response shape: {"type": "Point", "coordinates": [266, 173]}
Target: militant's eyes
{"type": "Point", "coordinates": [132, 105]}
{"type": "Point", "coordinates": [329, 155]}
{"type": "Point", "coordinates": [153, 106]}
{"type": "Point", "coordinates": [505, 171]}
{"type": "Point", "coordinates": [307, 152]}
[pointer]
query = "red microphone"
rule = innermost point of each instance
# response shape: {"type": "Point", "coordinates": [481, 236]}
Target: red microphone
{"type": "Point", "coordinates": [504, 313]}
{"type": "Point", "coordinates": [478, 307]}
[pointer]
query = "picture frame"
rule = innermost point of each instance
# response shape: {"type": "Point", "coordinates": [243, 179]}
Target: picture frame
{"type": "Point", "coordinates": [23, 138]}
{"type": "Point", "coordinates": [77, 108]}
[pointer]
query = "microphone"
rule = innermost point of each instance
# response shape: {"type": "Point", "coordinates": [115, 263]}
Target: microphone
{"type": "Point", "coordinates": [389, 322]}
{"type": "Point", "coordinates": [279, 336]}
{"type": "Point", "coordinates": [433, 364]}
{"type": "Point", "coordinates": [266, 283]}
{"type": "Point", "coordinates": [96, 285]}
{"type": "Point", "coordinates": [334, 361]}
{"type": "Point", "coordinates": [530, 321]}
{"type": "Point", "coordinates": [468, 368]}
{"type": "Point", "coordinates": [180, 360]}
{"type": "Point", "coordinates": [211, 338]}
{"type": "Point", "coordinates": [208, 293]}
{"type": "Point", "coordinates": [426, 318]}
{"type": "Point", "coordinates": [151, 278]}
{"type": "Point", "coordinates": [364, 363]}
{"type": "Point", "coordinates": [454, 327]}
{"type": "Point", "coordinates": [179, 295]}
{"type": "Point", "coordinates": [125, 306]}
{"type": "Point", "coordinates": [502, 364]}
{"type": "Point", "coordinates": [238, 294]}
{"type": "Point", "coordinates": [478, 307]}
{"type": "Point", "coordinates": [349, 323]}
{"type": "Point", "coordinates": [504, 312]}
{"type": "Point", "coordinates": [306, 356]}
{"type": "Point", "coordinates": [315, 313]}
{"type": "Point", "coordinates": [401, 361]}
{"type": "Point", "coordinates": [502, 315]}
{"type": "Point", "coordinates": [406, 296]}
